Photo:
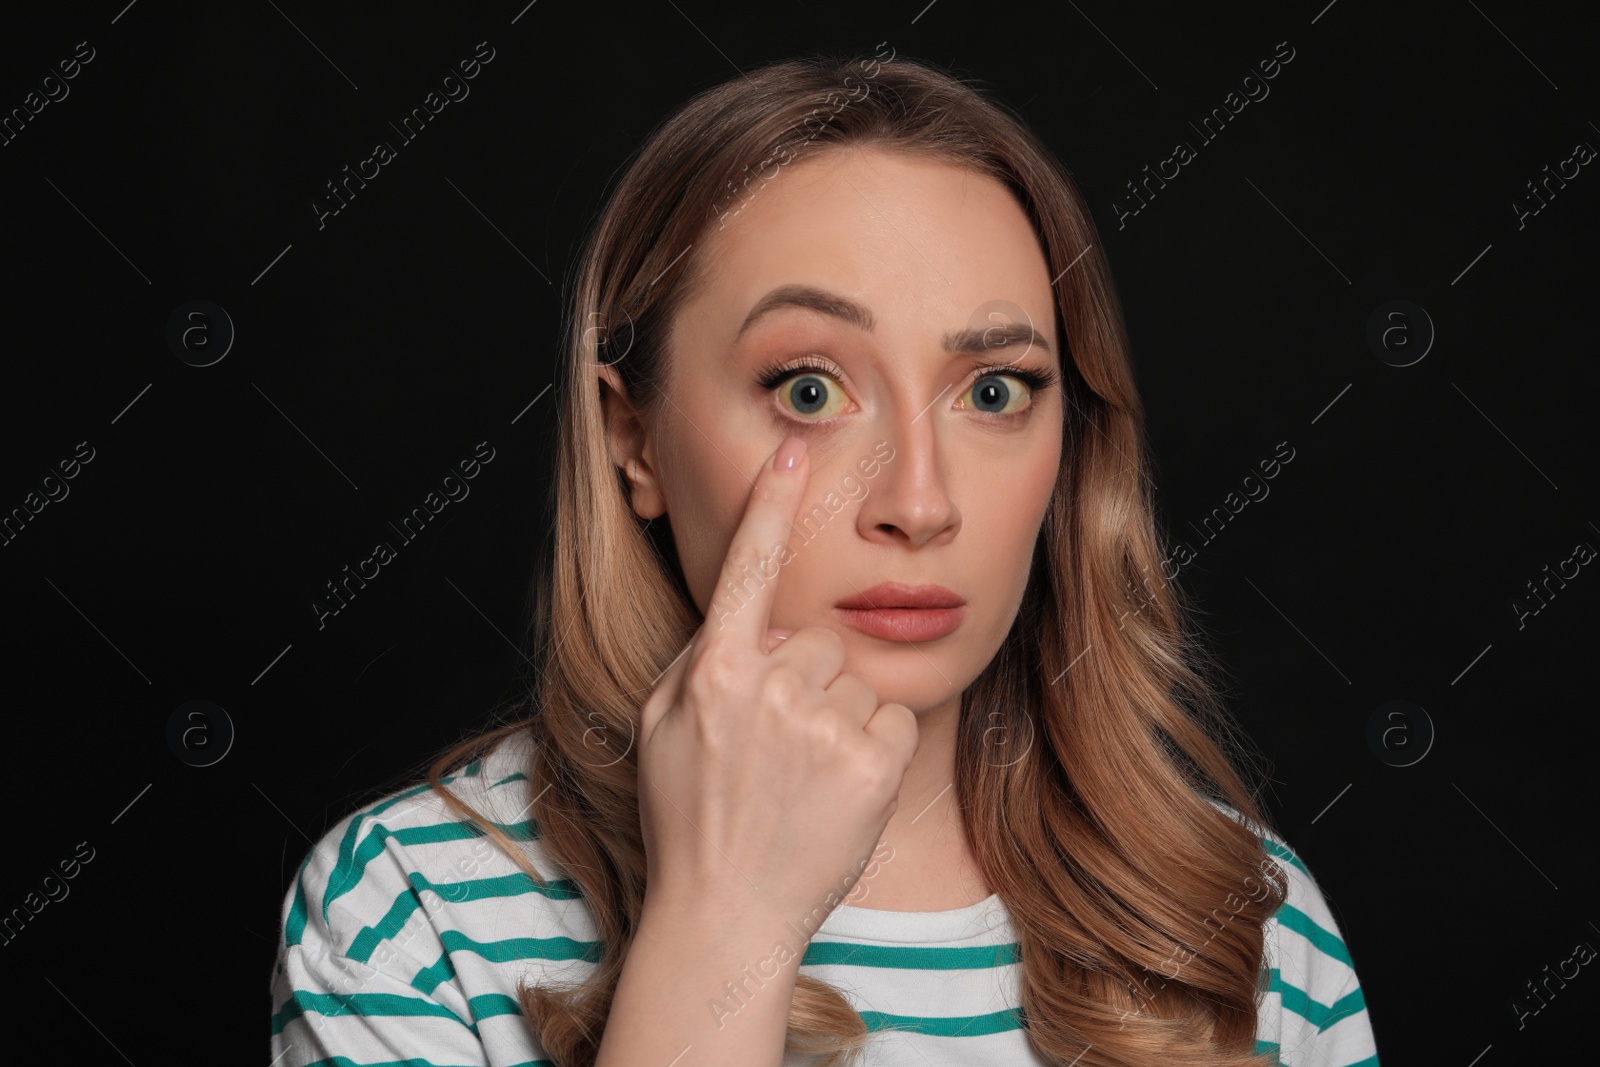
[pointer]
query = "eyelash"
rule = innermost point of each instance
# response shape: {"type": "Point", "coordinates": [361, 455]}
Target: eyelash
{"type": "Point", "coordinates": [773, 376]}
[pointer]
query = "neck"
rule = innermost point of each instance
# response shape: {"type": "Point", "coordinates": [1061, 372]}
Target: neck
{"type": "Point", "coordinates": [923, 853]}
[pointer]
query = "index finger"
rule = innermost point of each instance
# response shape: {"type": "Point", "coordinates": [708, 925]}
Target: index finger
{"type": "Point", "coordinates": [741, 604]}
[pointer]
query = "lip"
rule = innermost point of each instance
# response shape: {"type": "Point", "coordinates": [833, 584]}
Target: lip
{"type": "Point", "coordinates": [894, 611]}
{"type": "Point", "coordinates": [899, 595]}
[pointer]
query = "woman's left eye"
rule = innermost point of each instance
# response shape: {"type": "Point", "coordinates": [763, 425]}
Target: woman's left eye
{"type": "Point", "coordinates": [993, 392]}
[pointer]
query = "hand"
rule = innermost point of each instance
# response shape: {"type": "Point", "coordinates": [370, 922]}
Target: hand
{"type": "Point", "coordinates": [766, 775]}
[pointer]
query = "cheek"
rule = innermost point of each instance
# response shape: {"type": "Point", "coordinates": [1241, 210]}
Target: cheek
{"type": "Point", "coordinates": [707, 490]}
{"type": "Point", "coordinates": [1015, 507]}
{"type": "Point", "coordinates": [1042, 476]}
{"type": "Point", "coordinates": [1021, 496]}
{"type": "Point", "coordinates": [701, 531]}
{"type": "Point", "coordinates": [1041, 471]}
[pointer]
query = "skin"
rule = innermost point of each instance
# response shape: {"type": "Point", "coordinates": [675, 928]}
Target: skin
{"type": "Point", "coordinates": [926, 248]}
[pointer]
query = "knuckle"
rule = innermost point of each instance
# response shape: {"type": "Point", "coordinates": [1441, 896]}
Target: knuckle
{"type": "Point", "coordinates": [826, 637]}
{"type": "Point", "coordinates": [883, 772]}
{"type": "Point", "coordinates": [827, 730]}
{"type": "Point", "coordinates": [783, 687]}
{"type": "Point", "coordinates": [742, 557]}
{"type": "Point", "coordinates": [715, 671]}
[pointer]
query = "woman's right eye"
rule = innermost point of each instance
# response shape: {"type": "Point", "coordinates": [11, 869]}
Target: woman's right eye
{"type": "Point", "coordinates": [811, 396]}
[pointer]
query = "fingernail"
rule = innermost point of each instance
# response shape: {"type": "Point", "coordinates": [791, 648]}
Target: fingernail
{"type": "Point", "coordinates": [789, 453]}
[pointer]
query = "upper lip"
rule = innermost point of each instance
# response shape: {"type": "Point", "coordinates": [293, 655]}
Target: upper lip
{"type": "Point", "coordinates": [900, 595]}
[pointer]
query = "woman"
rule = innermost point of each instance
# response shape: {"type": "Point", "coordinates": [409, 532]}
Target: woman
{"type": "Point", "coordinates": [865, 719]}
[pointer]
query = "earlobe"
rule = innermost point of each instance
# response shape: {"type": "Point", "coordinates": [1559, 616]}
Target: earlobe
{"type": "Point", "coordinates": [643, 492]}
{"type": "Point", "coordinates": [627, 443]}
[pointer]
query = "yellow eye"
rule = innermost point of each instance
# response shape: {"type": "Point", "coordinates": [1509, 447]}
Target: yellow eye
{"type": "Point", "coordinates": [993, 392]}
{"type": "Point", "coordinates": [808, 395]}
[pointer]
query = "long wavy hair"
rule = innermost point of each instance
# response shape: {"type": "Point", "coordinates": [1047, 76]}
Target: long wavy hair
{"type": "Point", "coordinates": [1096, 761]}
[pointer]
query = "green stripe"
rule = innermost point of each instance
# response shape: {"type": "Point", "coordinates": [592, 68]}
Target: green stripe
{"type": "Point", "coordinates": [518, 777]}
{"type": "Point", "coordinates": [453, 831]}
{"type": "Point", "coordinates": [344, 878]}
{"type": "Point", "coordinates": [373, 844]}
{"type": "Point", "coordinates": [1351, 1003]}
{"type": "Point", "coordinates": [909, 958]}
{"type": "Point", "coordinates": [1370, 1061]}
{"type": "Point", "coordinates": [488, 1005]}
{"type": "Point", "coordinates": [525, 948]}
{"type": "Point", "coordinates": [346, 872]}
{"type": "Point", "coordinates": [1297, 1000]}
{"type": "Point", "coordinates": [952, 1026]}
{"type": "Point", "coordinates": [346, 1061]}
{"type": "Point", "coordinates": [1275, 849]}
{"type": "Point", "coordinates": [367, 1005]}
{"type": "Point", "coordinates": [1321, 1016]}
{"type": "Point", "coordinates": [1267, 1048]}
{"type": "Point", "coordinates": [1292, 918]}
{"type": "Point", "coordinates": [428, 979]}
{"type": "Point", "coordinates": [408, 901]}
{"type": "Point", "coordinates": [514, 948]}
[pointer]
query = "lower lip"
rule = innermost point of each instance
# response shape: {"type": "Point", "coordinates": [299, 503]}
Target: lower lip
{"type": "Point", "coordinates": [904, 624]}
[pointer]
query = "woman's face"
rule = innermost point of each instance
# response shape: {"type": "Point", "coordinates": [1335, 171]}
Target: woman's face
{"type": "Point", "coordinates": [900, 277]}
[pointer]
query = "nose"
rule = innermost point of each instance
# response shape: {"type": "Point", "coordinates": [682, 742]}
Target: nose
{"type": "Point", "coordinates": [910, 499]}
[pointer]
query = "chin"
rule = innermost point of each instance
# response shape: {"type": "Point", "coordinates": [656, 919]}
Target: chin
{"type": "Point", "coordinates": [908, 674]}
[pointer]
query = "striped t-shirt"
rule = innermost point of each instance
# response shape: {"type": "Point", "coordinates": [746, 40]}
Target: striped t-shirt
{"type": "Point", "coordinates": [407, 930]}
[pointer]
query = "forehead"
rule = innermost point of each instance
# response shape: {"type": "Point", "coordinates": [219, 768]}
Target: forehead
{"type": "Point", "coordinates": [925, 244]}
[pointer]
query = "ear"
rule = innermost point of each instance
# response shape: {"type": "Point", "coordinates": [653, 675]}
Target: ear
{"type": "Point", "coordinates": [629, 445]}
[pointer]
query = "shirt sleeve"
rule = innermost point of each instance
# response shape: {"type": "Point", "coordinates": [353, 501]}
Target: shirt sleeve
{"type": "Point", "coordinates": [1313, 1013]}
{"type": "Point", "coordinates": [408, 937]}
{"type": "Point", "coordinates": [332, 1015]}
{"type": "Point", "coordinates": [330, 1010]}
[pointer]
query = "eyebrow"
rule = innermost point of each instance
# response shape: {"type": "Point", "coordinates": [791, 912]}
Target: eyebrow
{"type": "Point", "coordinates": [846, 310]}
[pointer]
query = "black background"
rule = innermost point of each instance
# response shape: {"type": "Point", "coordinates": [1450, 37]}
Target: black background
{"type": "Point", "coordinates": [376, 352]}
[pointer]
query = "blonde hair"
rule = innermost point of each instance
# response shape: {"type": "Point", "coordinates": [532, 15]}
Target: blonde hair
{"type": "Point", "coordinates": [1103, 824]}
